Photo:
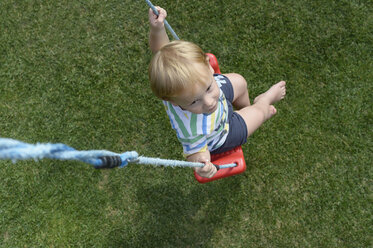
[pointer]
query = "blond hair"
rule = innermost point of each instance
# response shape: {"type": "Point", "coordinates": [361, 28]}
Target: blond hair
{"type": "Point", "coordinates": [173, 68]}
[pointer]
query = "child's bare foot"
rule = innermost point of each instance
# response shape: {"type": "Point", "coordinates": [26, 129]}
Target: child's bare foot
{"type": "Point", "coordinates": [276, 93]}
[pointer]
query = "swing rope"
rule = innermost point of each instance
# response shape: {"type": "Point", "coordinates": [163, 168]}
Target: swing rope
{"type": "Point", "coordinates": [100, 159]}
{"type": "Point", "coordinates": [168, 26]}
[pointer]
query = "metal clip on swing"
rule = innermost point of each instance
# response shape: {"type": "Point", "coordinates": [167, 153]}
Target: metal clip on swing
{"type": "Point", "coordinates": [109, 162]}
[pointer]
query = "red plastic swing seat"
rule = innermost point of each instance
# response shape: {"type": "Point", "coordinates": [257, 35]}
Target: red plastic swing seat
{"type": "Point", "coordinates": [229, 157]}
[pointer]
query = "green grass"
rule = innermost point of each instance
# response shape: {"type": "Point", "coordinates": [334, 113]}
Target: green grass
{"type": "Point", "coordinates": [75, 72]}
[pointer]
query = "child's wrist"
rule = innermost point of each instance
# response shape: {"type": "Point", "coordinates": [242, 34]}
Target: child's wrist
{"type": "Point", "coordinates": [156, 30]}
{"type": "Point", "coordinates": [157, 34]}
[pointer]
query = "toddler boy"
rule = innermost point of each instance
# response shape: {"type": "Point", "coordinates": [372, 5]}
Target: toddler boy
{"type": "Point", "coordinates": [200, 103]}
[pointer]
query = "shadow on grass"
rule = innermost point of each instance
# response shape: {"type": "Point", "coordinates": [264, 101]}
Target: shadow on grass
{"type": "Point", "coordinates": [177, 217]}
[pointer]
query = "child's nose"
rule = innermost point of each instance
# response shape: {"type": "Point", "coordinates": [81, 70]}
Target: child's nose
{"type": "Point", "coordinates": [209, 101]}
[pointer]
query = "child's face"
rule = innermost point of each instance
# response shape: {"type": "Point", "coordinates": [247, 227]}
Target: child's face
{"type": "Point", "coordinates": [202, 97]}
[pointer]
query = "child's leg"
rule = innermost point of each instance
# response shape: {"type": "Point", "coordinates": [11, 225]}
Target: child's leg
{"type": "Point", "coordinates": [262, 109]}
{"type": "Point", "coordinates": [241, 95]}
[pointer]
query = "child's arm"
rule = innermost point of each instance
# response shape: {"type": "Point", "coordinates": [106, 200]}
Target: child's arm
{"type": "Point", "coordinates": [209, 169]}
{"type": "Point", "coordinates": [158, 36]}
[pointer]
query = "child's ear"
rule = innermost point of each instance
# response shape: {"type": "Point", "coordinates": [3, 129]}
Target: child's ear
{"type": "Point", "coordinates": [208, 59]}
{"type": "Point", "coordinates": [208, 62]}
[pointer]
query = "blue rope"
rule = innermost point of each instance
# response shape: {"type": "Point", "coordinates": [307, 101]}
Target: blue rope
{"type": "Point", "coordinates": [168, 26]}
{"type": "Point", "coordinates": [17, 150]}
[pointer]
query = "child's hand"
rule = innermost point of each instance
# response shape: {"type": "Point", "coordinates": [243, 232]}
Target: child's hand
{"type": "Point", "coordinates": [157, 22]}
{"type": "Point", "coordinates": [208, 171]}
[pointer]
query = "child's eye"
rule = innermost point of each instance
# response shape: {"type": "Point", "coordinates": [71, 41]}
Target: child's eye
{"type": "Point", "coordinates": [193, 102]}
{"type": "Point", "coordinates": [208, 89]}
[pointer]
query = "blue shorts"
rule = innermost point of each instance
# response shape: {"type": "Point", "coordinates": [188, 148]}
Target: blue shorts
{"type": "Point", "coordinates": [237, 127]}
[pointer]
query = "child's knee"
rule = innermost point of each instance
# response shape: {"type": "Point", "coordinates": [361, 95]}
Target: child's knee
{"type": "Point", "coordinates": [240, 81]}
{"type": "Point", "coordinates": [241, 95]}
{"type": "Point", "coordinates": [239, 84]}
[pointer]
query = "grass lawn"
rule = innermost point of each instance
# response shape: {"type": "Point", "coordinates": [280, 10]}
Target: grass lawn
{"type": "Point", "coordinates": [75, 72]}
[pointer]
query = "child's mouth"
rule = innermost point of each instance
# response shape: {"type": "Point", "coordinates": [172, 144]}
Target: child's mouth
{"type": "Point", "coordinates": [212, 109]}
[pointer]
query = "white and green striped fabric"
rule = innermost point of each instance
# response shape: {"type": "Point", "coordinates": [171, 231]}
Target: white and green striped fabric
{"type": "Point", "coordinates": [199, 132]}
